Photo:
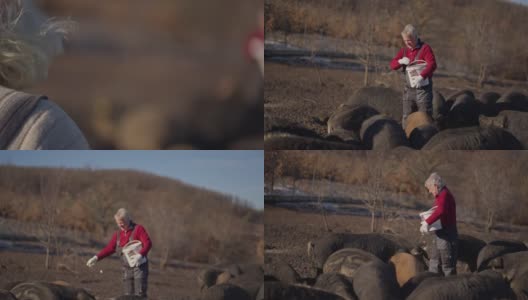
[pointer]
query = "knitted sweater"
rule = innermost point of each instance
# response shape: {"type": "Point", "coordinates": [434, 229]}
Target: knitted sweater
{"type": "Point", "coordinates": [46, 127]}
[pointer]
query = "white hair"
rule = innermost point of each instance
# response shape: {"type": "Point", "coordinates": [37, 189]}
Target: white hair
{"type": "Point", "coordinates": [28, 42]}
{"type": "Point", "coordinates": [409, 30]}
{"type": "Point", "coordinates": [435, 179]}
{"type": "Point", "coordinates": [122, 214]}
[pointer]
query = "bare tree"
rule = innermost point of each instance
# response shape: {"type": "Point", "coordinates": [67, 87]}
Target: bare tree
{"type": "Point", "coordinates": [483, 32]}
{"type": "Point", "coordinates": [50, 191]}
{"type": "Point", "coordinates": [367, 37]}
{"type": "Point", "coordinates": [491, 186]}
{"type": "Point", "coordinates": [272, 168]}
{"type": "Point", "coordinates": [374, 187]}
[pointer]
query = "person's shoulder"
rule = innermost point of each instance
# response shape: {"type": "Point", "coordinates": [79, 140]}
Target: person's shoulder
{"type": "Point", "coordinates": [427, 46]}
{"type": "Point", "coordinates": [52, 128]}
{"type": "Point", "coordinates": [140, 227]}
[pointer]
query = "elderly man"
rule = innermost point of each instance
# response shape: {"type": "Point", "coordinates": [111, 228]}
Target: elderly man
{"type": "Point", "coordinates": [135, 278]}
{"type": "Point", "coordinates": [444, 244]}
{"type": "Point", "coordinates": [418, 96]}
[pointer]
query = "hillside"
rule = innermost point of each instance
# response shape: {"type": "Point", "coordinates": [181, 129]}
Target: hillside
{"type": "Point", "coordinates": [185, 222]}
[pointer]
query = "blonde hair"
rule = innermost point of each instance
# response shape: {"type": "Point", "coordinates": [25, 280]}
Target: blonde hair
{"type": "Point", "coordinates": [28, 42]}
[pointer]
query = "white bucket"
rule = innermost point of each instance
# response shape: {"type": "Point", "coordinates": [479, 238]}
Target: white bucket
{"type": "Point", "coordinates": [437, 225]}
{"type": "Point", "coordinates": [131, 252]}
{"type": "Point", "coordinates": [413, 71]}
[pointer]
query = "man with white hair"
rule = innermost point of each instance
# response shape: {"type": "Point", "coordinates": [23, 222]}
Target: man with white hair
{"type": "Point", "coordinates": [28, 42]}
{"type": "Point", "coordinates": [417, 95]}
{"type": "Point", "coordinates": [135, 277]}
{"type": "Point", "coordinates": [444, 244]}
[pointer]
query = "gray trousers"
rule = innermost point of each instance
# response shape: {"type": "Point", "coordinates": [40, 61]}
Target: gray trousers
{"type": "Point", "coordinates": [135, 280]}
{"type": "Point", "coordinates": [417, 99]}
{"type": "Point", "coordinates": [444, 250]}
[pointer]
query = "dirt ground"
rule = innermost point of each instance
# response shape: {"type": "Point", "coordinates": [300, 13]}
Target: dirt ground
{"type": "Point", "coordinates": [306, 95]}
{"type": "Point", "coordinates": [103, 281]}
{"type": "Point", "coordinates": [288, 231]}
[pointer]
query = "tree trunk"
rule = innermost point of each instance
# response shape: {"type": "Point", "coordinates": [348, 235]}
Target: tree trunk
{"type": "Point", "coordinates": [366, 74]}
{"type": "Point", "coordinates": [164, 259]}
{"type": "Point", "coordinates": [490, 223]}
{"type": "Point", "coordinates": [372, 220]}
{"type": "Point", "coordinates": [482, 75]}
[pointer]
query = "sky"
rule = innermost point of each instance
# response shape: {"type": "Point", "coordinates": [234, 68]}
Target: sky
{"type": "Point", "coordinates": [525, 2]}
{"type": "Point", "coordinates": [239, 173]}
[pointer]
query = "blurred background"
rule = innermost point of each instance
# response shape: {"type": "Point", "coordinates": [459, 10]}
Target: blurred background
{"type": "Point", "coordinates": [159, 74]}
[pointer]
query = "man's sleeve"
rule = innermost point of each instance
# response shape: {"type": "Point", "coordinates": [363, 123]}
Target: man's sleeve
{"type": "Point", "coordinates": [109, 249]}
{"type": "Point", "coordinates": [431, 62]}
{"type": "Point", "coordinates": [440, 203]}
{"type": "Point", "coordinates": [145, 240]}
{"type": "Point", "coordinates": [394, 64]}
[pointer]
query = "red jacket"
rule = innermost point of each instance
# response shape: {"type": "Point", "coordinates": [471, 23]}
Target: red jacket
{"type": "Point", "coordinates": [427, 55]}
{"type": "Point", "coordinates": [445, 209]}
{"type": "Point", "coordinates": [141, 235]}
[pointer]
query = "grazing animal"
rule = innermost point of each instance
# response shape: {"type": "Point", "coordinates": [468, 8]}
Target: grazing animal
{"type": "Point", "coordinates": [473, 138]}
{"type": "Point", "coordinates": [415, 281]}
{"type": "Point", "coordinates": [514, 266]}
{"type": "Point", "coordinates": [347, 261]}
{"type": "Point", "coordinates": [464, 112]}
{"type": "Point", "coordinates": [382, 133]}
{"type": "Point", "coordinates": [513, 100]}
{"type": "Point", "coordinates": [477, 286]}
{"type": "Point", "coordinates": [515, 122]}
{"type": "Point", "coordinates": [248, 277]}
{"type": "Point", "coordinates": [381, 245]}
{"type": "Point", "coordinates": [440, 109]}
{"type": "Point", "coordinates": [285, 273]}
{"type": "Point", "coordinates": [497, 248]}
{"type": "Point", "coordinates": [277, 290]}
{"type": "Point", "coordinates": [421, 135]}
{"type": "Point", "coordinates": [48, 291]}
{"type": "Point", "coordinates": [488, 102]}
{"type": "Point", "coordinates": [225, 292]}
{"type": "Point", "coordinates": [350, 118]}
{"type": "Point", "coordinates": [337, 284]}
{"type": "Point", "coordinates": [385, 100]}
{"type": "Point", "coordinates": [415, 120]}
{"type": "Point", "coordinates": [468, 250]}
{"type": "Point", "coordinates": [6, 295]}
{"type": "Point", "coordinates": [406, 266]}
{"type": "Point", "coordinates": [376, 280]}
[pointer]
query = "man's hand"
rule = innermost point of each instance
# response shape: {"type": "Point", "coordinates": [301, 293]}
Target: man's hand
{"type": "Point", "coordinates": [141, 261]}
{"type": "Point", "coordinates": [424, 228]}
{"type": "Point", "coordinates": [91, 262]}
{"type": "Point", "coordinates": [404, 61]}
